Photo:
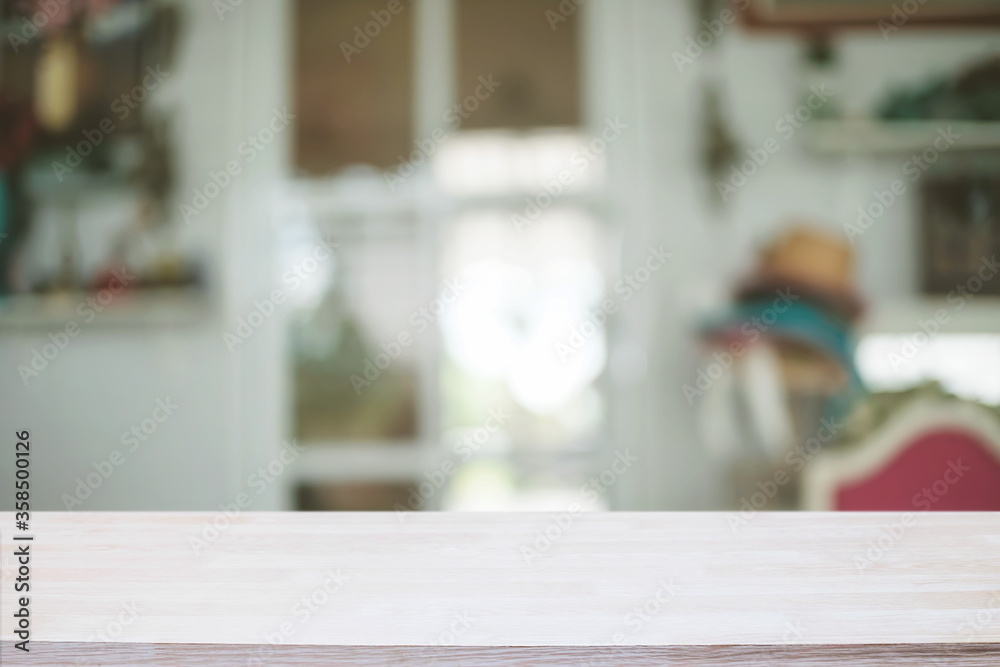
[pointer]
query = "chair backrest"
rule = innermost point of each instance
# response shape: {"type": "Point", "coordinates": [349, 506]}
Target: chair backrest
{"type": "Point", "coordinates": [934, 455]}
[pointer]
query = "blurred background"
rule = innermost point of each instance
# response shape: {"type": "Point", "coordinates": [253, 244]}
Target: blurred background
{"type": "Point", "coordinates": [561, 255]}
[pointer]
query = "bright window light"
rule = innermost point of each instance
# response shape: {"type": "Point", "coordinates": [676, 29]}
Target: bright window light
{"type": "Point", "coordinates": [496, 162]}
{"type": "Point", "coordinates": [967, 365]}
{"type": "Point", "coordinates": [527, 295]}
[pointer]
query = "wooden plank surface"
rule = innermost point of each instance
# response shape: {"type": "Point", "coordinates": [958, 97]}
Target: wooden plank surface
{"type": "Point", "coordinates": [59, 654]}
{"type": "Point", "coordinates": [274, 581]}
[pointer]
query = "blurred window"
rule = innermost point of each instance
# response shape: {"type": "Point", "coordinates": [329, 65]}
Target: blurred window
{"type": "Point", "coordinates": [499, 208]}
{"type": "Point", "coordinates": [967, 365]}
{"type": "Point", "coordinates": [521, 343]}
{"type": "Point", "coordinates": [343, 117]}
{"type": "Point", "coordinates": [531, 48]}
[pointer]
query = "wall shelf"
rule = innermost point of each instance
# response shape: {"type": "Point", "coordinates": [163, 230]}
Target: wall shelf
{"type": "Point", "coordinates": [872, 136]}
{"type": "Point", "coordinates": [980, 314]}
{"type": "Point", "coordinates": [138, 308]}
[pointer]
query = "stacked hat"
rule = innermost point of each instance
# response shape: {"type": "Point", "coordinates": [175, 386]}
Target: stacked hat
{"type": "Point", "coordinates": [812, 264]}
{"type": "Point", "coordinates": [802, 299]}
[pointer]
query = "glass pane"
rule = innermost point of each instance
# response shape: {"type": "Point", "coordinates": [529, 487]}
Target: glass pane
{"type": "Point", "coordinates": [353, 380]}
{"type": "Point", "coordinates": [521, 356]}
{"type": "Point", "coordinates": [524, 56]}
{"type": "Point", "coordinates": [342, 47]}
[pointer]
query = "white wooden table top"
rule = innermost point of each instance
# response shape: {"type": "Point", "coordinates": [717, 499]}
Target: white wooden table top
{"type": "Point", "coordinates": [424, 579]}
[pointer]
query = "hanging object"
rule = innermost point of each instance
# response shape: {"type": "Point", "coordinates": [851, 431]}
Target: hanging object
{"type": "Point", "coordinates": [720, 148]}
{"type": "Point", "coordinates": [56, 85]}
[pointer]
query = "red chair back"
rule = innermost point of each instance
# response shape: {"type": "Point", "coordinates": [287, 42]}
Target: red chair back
{"type": "Point", "coordinates": [945, 469]}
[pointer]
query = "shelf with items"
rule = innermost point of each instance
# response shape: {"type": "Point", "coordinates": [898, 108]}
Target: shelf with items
{"type": "Point", "coordinates": [875, 137]}
{"type": "Point", "coordinates": [138, 308]}
{"type": "Point", "coordinates": [978, 314]}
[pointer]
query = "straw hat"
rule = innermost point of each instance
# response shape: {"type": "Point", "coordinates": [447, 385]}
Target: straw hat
{"type": "Point", "coordinates": [811, 263]}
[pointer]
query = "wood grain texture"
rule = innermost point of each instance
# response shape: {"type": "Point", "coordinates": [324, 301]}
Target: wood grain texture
{"type": "Point", "coordinates": [53, 654]}
{"type": "Point", "coordinates": [790, 580]}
